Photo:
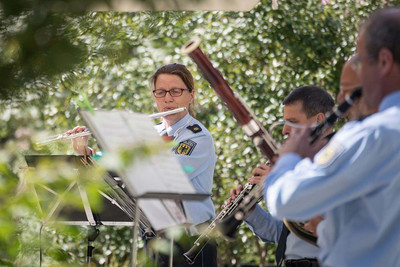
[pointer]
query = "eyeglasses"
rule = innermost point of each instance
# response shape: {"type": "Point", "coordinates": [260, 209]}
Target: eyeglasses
{"type": "Point", "coordinates": [291, 124]}
{"type": "Point", "coordinates": [174, 92]}
{"type": "Point", "coordinates": [356, 62]}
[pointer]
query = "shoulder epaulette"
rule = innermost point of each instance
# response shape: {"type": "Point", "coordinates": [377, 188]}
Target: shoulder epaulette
{"type": "Point", "coordinates": [195, 128]}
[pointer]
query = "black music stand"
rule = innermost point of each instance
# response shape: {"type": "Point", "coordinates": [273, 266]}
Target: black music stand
{"type": "Point", "coordinates": [115, 211]}
{"type": "Point", "coordinates": [112, 214]}
{"type": "Point", "coordinates": [143, 180]}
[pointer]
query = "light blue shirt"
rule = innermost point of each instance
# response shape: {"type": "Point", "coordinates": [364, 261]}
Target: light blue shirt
{"type": "Point", "coordinates": [355, 183]}
{"type": "Point", "coordinates": [198, 161]}
{"type": "Point", "coordinates": [269, 230]}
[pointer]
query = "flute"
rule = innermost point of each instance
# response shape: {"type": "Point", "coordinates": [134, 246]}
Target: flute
{"type": "Point", "coordinates": [166, 113]}
{"type": "Point", "coordinates": [86, 132]}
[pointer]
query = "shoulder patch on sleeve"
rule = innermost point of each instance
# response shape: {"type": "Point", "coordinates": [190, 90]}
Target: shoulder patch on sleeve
{"type": "Point", "coordinates": [329, 154]}
{"type": "Point", "coordinates": [195, 128]}
{"type": "Point", "coordinates": [185, 148]}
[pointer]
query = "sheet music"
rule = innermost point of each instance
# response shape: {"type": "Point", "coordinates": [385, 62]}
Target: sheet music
{"type": "Point", "coordinates": [162, 166]}
{"type": "Point", "coordinates": [110, 127]}
{"type": "Point", "coordinates": [165, 212]}
{"type": "Point", "coordinates": [160, 172]}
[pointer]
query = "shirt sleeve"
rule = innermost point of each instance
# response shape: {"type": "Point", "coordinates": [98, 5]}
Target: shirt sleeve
{"type": "Point", "coordinates": [266, 227]}
{"type": "Point", "coordinates": [350, 166]}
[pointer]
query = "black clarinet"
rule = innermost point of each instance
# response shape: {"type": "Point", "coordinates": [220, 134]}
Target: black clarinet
{"type": "Point", "coordinates": [205, 237]}
{"type": "Point", "coordinates": [336, 114]}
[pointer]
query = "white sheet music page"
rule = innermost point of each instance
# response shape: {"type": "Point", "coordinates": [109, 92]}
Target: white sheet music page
{"type": "Point", "coordinates": [158, 172]}
{"type": "Point", "coordinates": [161, 167]}
{"type": "Point", "coordinates": [165, 213]}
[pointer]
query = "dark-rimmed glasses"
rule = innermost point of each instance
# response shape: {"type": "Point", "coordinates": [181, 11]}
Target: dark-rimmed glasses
{"type": "Point", "coordinates": [174, 92]}
{"type": "Point", "coordinates": [356, 62]}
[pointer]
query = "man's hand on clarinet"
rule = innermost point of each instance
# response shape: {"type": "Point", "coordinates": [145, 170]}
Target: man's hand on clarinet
{"type": "Point", "coordinates": [260, 173]}
{"type": "Point", "coordinates": [299, 143]}
{"type": "Point", "coordinates": [232, 195]}
{"type": "Point", "coordinates": [80, 144]}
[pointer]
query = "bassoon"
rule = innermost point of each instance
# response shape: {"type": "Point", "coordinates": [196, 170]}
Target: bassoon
{"type": "Point", "coordinates": [251, 126]}
{"type": "Point", "coordinates": [244, 116]}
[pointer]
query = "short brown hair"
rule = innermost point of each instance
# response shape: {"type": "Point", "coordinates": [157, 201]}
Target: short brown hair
{"type": "Point", "coordinates": [314, 100]}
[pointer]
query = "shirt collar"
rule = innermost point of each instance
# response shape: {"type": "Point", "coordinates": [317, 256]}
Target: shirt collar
{"type": "Point", "coordinates": [390, 100]}
{"type": "Point", "coordinates": [173, 128]}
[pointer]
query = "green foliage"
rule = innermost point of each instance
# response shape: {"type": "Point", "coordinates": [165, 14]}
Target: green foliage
{"type": "Point", "coordinates": [49, 59]}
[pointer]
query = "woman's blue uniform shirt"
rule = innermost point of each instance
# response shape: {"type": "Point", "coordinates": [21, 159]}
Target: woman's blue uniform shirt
{"type": "Point", "coordinates": [196, 154]}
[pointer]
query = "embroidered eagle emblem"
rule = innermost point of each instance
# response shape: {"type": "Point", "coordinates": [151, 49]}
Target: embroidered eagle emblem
{"type": "Point", "coordinates": [185, 148]}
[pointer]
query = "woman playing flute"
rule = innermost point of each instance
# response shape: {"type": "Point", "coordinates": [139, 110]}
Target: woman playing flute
{"type": "Point", "coordinates": [173, 87]}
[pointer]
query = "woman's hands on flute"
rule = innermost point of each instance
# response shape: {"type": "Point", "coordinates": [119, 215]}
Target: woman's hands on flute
{"type": "Point", "coordinates": [80, 144]}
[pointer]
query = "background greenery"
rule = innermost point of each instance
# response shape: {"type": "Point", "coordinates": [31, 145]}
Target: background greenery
{"type": "Point", "coordinates": [51, 61]}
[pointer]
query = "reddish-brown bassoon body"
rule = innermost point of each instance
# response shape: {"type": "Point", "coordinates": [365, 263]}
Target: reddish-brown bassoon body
{"type": "Point", "coordinates": [240, 111]}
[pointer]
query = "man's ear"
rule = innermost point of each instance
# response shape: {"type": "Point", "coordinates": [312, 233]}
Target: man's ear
{"type": "Point", "coordinates": [320, 117]}
{"type": "Point", "coordinates": [385, 61]}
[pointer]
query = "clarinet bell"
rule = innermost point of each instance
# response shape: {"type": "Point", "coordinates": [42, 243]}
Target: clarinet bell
{"type": "Point", "coordinates": [228, 226]}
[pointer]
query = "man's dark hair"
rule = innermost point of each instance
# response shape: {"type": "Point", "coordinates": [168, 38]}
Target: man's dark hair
{"type": "Point", "coordinates": [315, 100]}
{"type": "Point", "coordinates": [382, 30]}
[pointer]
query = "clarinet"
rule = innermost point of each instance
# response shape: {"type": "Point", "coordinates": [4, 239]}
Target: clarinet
{"type": "Point", "coordinates": [336, 114]}
{"type": "Point", "coordinates": [205, 237]}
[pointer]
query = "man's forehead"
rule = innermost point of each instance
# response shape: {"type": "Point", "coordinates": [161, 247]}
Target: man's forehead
{"type": "Point", "coordinates": [349, 79]}
{"type": "Point", "coordinates": [298, 104]}
{"type": "Point", "coordinates": [293, 110]}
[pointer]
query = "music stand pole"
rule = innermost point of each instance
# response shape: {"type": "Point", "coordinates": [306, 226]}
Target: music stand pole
{"type": "Point", "coordinates": [135, 234]}
{"type": "Point", "coordinates": [171, 252]}
{"type": "Point", "coordinates": [93, 233]}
